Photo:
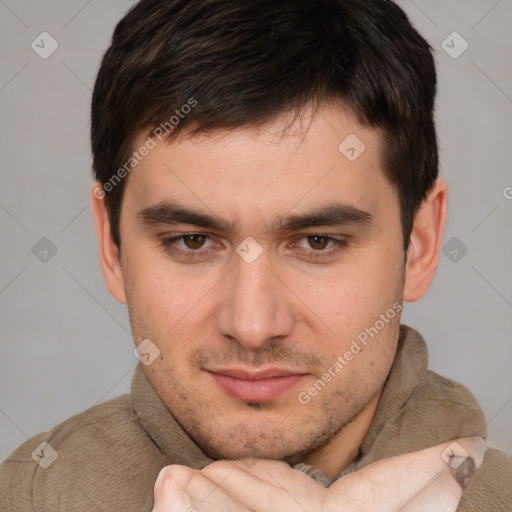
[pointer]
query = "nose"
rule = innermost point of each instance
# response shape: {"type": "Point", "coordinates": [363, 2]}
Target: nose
{"type": "Point", "coordinates": [256, 304]}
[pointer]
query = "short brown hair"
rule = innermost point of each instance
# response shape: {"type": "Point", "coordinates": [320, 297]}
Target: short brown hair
{"type": "Point", "coordinates": [245, 62]}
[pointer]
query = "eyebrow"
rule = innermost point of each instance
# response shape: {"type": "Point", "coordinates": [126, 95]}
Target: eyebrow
{"type": "Point", "coordinates": [334, 214]}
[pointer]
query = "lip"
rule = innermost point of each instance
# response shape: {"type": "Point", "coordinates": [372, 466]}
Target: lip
{"type": "Point", "coordinates": [256, 386]}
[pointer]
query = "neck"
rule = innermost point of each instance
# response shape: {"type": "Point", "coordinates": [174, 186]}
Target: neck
{"type": "Point", "coordinates": [340, 451]}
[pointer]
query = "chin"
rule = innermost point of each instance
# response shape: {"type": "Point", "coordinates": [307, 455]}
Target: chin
{"type": "Point", "coordinates": [245, 452]}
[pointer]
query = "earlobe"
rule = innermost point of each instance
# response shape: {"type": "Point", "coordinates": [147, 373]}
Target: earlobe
{"type": "Point", "coordinates": [108, 252]}
{"type": "Point", "coordinates": [425, 244]}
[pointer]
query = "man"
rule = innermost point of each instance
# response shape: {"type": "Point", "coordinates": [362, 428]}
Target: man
{"type": "Point", "coordinates": [266, 197]}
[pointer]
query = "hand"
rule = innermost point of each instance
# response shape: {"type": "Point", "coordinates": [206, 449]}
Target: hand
{"type": "Point", "coordinates": [255, 485]}
{"type": "Point", "coordinates": [421, 482]}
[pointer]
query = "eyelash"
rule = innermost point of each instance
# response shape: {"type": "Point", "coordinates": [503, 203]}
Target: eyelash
{"type": "Point", "coordinates": [168, 244]}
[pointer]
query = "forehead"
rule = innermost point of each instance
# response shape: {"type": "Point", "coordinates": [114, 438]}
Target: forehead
{"type": "Point", "coordinates": [314, 158]}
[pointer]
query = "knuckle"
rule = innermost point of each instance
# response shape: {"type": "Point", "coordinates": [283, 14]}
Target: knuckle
{"type": "Point", "coordinates": [220, 468]}
{"type": "Point", "coordinates": [170, 490]}
{"type": "Point", "coordinates": [173, 475]}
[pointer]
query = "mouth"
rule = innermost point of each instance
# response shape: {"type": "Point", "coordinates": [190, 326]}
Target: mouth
{"type": "Point", "coordinates": [256, 386]}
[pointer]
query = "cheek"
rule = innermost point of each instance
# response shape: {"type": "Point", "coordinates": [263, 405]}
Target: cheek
{"type": "Point", "coordinates": [362, 306]}
{"type": "Point", "coordinates": [167, 304]}
{"type": "Point", "coordinates": [355, 295]}
{"type": "Point", "coordinates": [152, 297]}
{"type": "Point", "coordinates": [154, 283]}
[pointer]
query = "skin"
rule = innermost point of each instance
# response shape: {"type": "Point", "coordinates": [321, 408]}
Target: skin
{"type": "Point", "coordinates": [285, 309]}
{"type": "Point", "coordinates": [414, 482]}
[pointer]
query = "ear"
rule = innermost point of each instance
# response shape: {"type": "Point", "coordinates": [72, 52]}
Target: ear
{"type": "Point", "coordinates": [109, 255]}
{"type": "Point", "coordinates": [425, 242]}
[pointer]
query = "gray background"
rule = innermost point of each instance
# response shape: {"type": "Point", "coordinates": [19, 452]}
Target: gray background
{"type": "Point", "coordinates": [65, 343]}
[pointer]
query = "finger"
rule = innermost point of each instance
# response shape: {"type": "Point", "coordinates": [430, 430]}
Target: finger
{"type": "Point", "coordinates": [182, 489]}
{"type": "Point", "coordinates": [397, 480]}
{"type": "Point", "coordinates": [266, 470]}
{"type": "Point", "coordinates": [440, 495]}
{"type": "Point", "coordinates": [268, 485]}
{"type": "Point", "coordinates": [169, 490]}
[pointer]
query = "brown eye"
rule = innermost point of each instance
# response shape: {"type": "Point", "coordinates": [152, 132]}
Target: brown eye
{"type": "Point", "coordinates": [318, 246]}
{"type": "Point", "coordinates": [318, 242]}
{"type": "Point", "coordinates": [194, 241]}
{"type": "Point", "coordinates": [190, 247]}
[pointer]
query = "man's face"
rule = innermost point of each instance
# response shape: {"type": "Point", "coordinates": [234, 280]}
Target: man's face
{"type": "Point", "coordinates": [245, 336]}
